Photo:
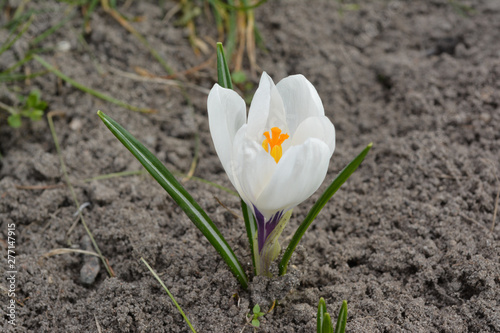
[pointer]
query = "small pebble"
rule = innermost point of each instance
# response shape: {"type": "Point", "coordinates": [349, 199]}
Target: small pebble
{"type": "Point", "coordinates": [91, 266]}
{"type": "Point", "coordinates": [63, 46]}
{"type": "Point", "coordinates": [76, 124]}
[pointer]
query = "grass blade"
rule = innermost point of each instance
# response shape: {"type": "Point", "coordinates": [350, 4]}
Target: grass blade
{"type": "Point", "coordinates": [330, 191]}
{"type": "Point", "coordinates": [11, 42]}
{"type": "Point", "coordinates": [124, 23]}
{"type": "Point", "coordinates": [342, 319]}
{"type": "Point", "coordinates": [197, 215]}
{"type": "Point", "coordinates": [169, 295]}
{"type": "Point", "coordinates": [51, 30]}
{"type": "Point", "coordinates": [87, 89]}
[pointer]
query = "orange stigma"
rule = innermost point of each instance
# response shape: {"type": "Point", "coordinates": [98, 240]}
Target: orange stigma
{"type": "Point", "coordinates": [272, 143]}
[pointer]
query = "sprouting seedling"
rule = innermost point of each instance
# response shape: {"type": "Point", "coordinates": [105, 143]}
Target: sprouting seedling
{"type": "Point", "coordinates": [324, 321]}
{"type": "Point", "coordinates": [32, 107]}
{"type": "Point", "coordinates": [253, 319]}
{"type": "Point", "coordinates": [256, 315]}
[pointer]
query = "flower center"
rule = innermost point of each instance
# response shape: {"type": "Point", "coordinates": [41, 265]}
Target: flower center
{"type": "Point", "coordinates": [272, 143]}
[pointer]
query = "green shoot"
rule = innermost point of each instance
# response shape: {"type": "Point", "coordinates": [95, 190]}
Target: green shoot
{"type": "Point", "coordinates": [324, 321]}
{"type": "Point", "coordinates": [342, 318]}
{"type": "Point", "coordinates": [320, 318]}
{"type": "Point", "coordinates": [31, 108]}
{"type": "Point", "coordinates": [223, 73]}
{"type": "Point", "coordinates": [327, 324]}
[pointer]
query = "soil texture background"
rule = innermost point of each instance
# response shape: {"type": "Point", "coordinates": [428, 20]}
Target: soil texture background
{"type": "Point", "coordinates": [409, 241]}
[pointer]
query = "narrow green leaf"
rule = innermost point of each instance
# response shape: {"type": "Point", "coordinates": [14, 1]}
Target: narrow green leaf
{"type": "Point", "coordinates": [179, 194]}
{"type": "Point", "coordinates": [223, 73]}
{"type": "Point", "coordinates": [33, 98]}
{"type": "Point", "coordinates": [87, 89]}
{"type": "Point", "coordinates": [89, 11]}
{"type": "Point", "coordinates": [330, 191]}
{"type": "Point", "coordinates": [52, 29]}
{"type": "Point", "coordinates": [327, 324]}
{"type": "Point", "coordinates": [342, 319]}
{"type": "Point", "coordinates": [251, 227]}
{"type": "Point", "coordinates": [232, 29]}
{"type": "Point", "coordinates": [42, 105]}
{"type": "Point", "coordinates": [35, 115]}
{"type": "Point", "coordinates": [9, 42]}
{"type": "Point", "coordinates": [321, 315]}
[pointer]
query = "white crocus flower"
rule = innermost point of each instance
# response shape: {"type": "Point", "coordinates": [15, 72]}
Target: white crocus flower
{"type": "Point", "coordinates": [279, 156]}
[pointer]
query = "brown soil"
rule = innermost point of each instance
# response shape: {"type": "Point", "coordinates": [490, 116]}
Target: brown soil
{"type": "Point", "coordinates": [407, 241]}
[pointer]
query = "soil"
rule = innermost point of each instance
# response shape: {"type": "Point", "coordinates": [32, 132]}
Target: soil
{"type": "Point", "coordinates": [410, 241]}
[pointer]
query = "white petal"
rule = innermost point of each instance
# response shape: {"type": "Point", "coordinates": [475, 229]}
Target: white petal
{"type": "Point", "coordinates": [301, 100]}
{"type": "Point", "coordinates": [252, 167]}
{"type": "Point", "coordinates": [226, 115]}
{"type": "Point", "coordinates": [267, 110]}
{"type": "Point", "coordinates": [298, 175]}
{"type": "Point", "coordinates": [315, 127]}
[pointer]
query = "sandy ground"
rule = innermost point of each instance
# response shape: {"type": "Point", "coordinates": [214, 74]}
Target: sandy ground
{"type": "Point", "coordinates": [409, 241]}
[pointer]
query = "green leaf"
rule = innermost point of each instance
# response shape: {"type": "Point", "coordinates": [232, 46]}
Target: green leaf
{"type": "Point", "coordinates": [321, 315]}
{"type": "Point", "coordinates": [223, 73]}
{"type": "Point", "coordinates": [35, 114]}
{"type": "Point", "coordinates": [327, 324]}
{"type": "Point", "coordinates": [197, 215]}
{"type": "Point", "coordinates": [251, 227]}
{"type": "Point", "coordinates": [33, 98]}
{"type": "Point", "coordinates": [256, 309]}
{"type": "Point", "coordinates": [42, 105]}
{"type": "Point", "coordinates": [232, 28]}
{"type": "Point", "coordinates": [330, 191]}
{"type": "Point", "coordinates": [255, 323]}
{"type": "Point", "coordinates": [342, 319]}
{"type": "Point", "coordinates": [14, 120]}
